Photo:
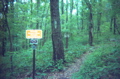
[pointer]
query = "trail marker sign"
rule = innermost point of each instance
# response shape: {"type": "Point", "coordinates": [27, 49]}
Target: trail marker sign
{"type": "Point", "coordinates": [33, 34]}
{"type": "Point", "coordinates": [33, 41]}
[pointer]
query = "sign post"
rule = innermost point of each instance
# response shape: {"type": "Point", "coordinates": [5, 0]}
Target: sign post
{"type": "Point", "coordinates": [34, 47]}
{"type": "Point", "coordinates": [34, 35]}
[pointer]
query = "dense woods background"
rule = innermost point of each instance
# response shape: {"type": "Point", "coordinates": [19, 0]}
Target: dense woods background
{"type": "Point", "coordinates": [70, 28]}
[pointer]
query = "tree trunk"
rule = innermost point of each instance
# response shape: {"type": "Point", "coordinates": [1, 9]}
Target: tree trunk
{"type": "Point", "coordinates": [71, 8]}
{"type": "Point", "coordinates": [99, 18]}
{"type": "Point", "coordinates": [58, 50]}
{"type": "Point", "coordinates": [114, 19]}
{"type": "Point", "coordinates": [62, 11]}
{"type": "Point", "coordinates": [38, 4]}
{"type": "Point", "coordinates": [111, 24]}
{"type": "Point", "coordinates": [12, 20]}
{"type": "Point", "coordinates": [90, 22]}
{"type": "Point", "coordinates": [99, 21]}
{"type": "Point", "coordinates": [77, 15]}
{"type": "Point", "coordinates": [82, 15]}
{"type": "Point", "coordinates": [66, 11]}
{"type": "Point", "coordinates": [67, 39]}
{"type": "Point", "coordinates": [5, 24]}
{"type": "Point", "coordinates": [116, 29]}
{"type": "Point", "coordinates": [31, 13]}
{"type": "Point", "coordinates": [3, 47]}
{"type": "Point", "coordinates": [90, 29]}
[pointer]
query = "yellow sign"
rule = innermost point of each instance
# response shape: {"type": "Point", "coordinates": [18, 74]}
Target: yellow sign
{"type": "Point", "coordinates": [30, 34]}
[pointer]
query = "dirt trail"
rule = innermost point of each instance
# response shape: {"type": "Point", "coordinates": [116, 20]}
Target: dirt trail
{"type": "Point", "coordinates": [66, 74]}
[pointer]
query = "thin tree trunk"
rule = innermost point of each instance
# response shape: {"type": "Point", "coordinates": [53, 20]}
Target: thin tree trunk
{"type": "Point", "coordinates": [116, 29]}
{"type": "Point", "coordinates": [43, 16]}
{"type": "Point", "coordinates": [77, 15]}
{"type": "Point", "coordinates": [111, 24]}
{"type": "Point", "coordinates": [66, 11]}
{"type": "Point", "coordinates": [67, 39]}
{"type": "Point", "coordinates": [90, 29]}
{"type": "Point", "coordinates": [38, 4]}
{"type": "Point", "coordinates": [11, 38]}
{"type": "Point", "coordinates": [99, 22]}
{"type": "Point", "coordinates": [82, 14]}
{"type": "Point", "coordinates": [62, 10]}
{"type": "Point", "coordinates": [114, 19]}
{"type": "Point", "coordinates": [31, 11]}
{"type": "Point", "coordinates": [99, 18]}
{"type": "Point", "coordinates": [71, 8]}
{"type": "Point", "coordinates": [90, 22]}
{"type": "Point", "coordinates": [45, 32]}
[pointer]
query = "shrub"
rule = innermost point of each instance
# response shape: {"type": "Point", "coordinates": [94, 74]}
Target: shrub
{"type": "Point", "coordinates": [102, 63]}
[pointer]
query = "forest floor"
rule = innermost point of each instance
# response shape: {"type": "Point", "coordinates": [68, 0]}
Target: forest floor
{"type": "Point", "coordinates": [67, 73]}
{"type": "Point", "coordinates": [72, 68]}
{"type": "Point", "coordinates": [69, 70]}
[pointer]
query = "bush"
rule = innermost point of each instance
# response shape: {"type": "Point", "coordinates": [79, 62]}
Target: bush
{"type": "Point", "coordinates": [75, 52]}
{"type": "Point", "coordinates": [103, 63]}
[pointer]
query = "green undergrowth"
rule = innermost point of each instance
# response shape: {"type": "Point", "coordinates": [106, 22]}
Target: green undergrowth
{"type": "Point", "coordinates": [77, 46]}
{"type": "Point", "coordinates": [103, 63]}
{"type": "Point", "coordinates": [75, 52]}
{"type": "Point", "coordinates": [22, 62]}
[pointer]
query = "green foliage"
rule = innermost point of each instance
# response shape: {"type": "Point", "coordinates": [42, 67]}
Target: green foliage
{"type": "Point", "coordinates": [59, 66]}
{"type": "Point", "coordinates": [102, 63]}
{"type": "Point", "coordinates": [47, 47]}
{"type": "Point", "coordinates": [22, 62]}
{"type": "Point", "coordinates": [76, 49]}
{"type": "Point", "coordinates": [105, 27]}
{"type": "Point", "coordinates": [115, 6]}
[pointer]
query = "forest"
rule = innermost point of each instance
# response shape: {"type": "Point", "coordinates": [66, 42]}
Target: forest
{"type": "Point", "coordinates": [80, 39]}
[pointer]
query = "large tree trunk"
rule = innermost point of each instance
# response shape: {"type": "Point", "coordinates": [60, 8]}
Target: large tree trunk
{"type": "Point", "coordinates": [58, 50]}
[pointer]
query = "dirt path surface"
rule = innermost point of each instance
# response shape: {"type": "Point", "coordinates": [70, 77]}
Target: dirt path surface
{"type": "Point", "coordinates": [66, 74]}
